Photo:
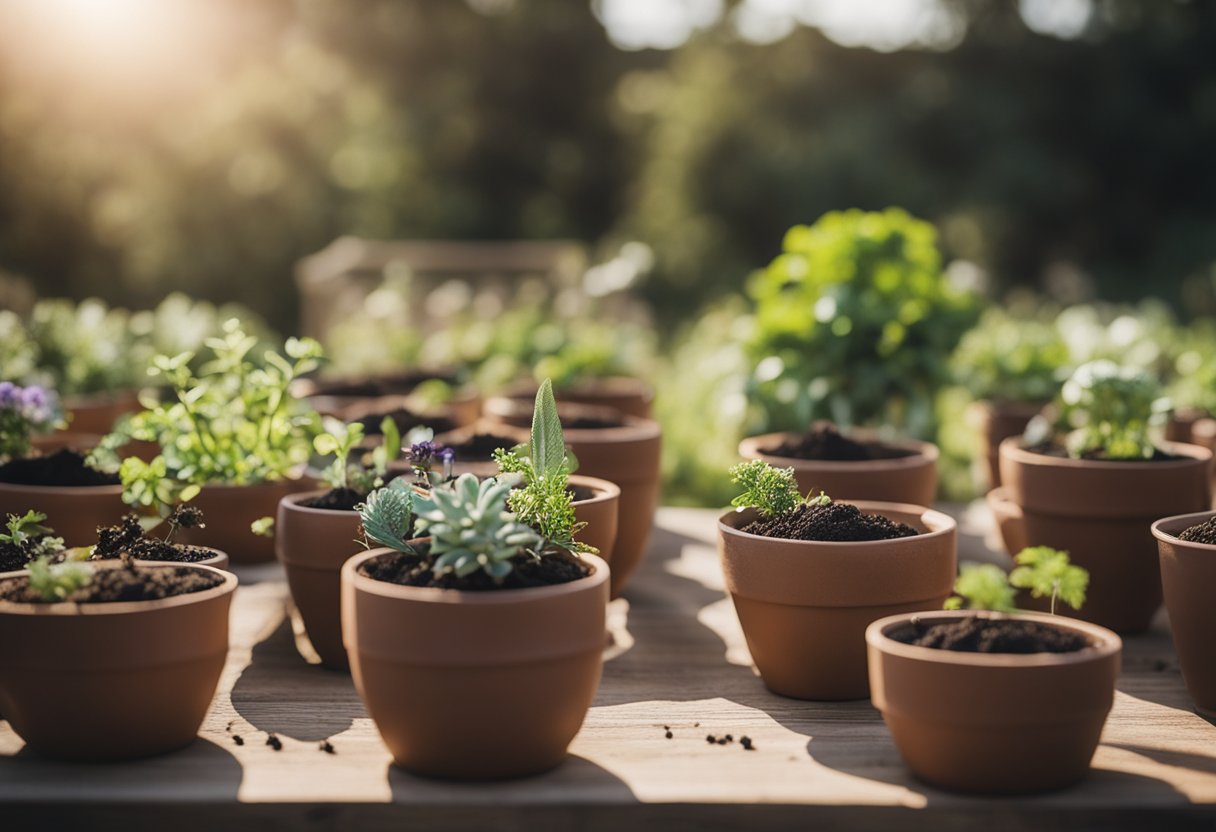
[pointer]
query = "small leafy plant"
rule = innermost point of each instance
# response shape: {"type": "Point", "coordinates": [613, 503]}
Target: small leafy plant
{"type": "Point", "coordinates": [341, 439]}
{"type": "Point", "coordinates": [544, 501]}
{"type": "Point", "coordinates": [1109, 412]}
{"type": "Point", "coordinates": [56, 581]}
{"type": "Point", "coordinates": [24, 412]}
{"type": "Point", "coordinates": [771, 491]}
{"type": "Point", "coordinates": [1045, 571]}
{"type": "Point", "coordinates": [1011, 359]}
{"type": "Point", "coordinates": [31, 539]}
{"type": "Point", "coordinates": [232, 422]}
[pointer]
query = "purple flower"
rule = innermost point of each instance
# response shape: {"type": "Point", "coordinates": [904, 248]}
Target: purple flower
{"type": "Point", "coordinates": [10, 394]}
{"type": "Point", "coordinates": [446, 455]}
{"type": "Point", "coordinates": [421, 453]}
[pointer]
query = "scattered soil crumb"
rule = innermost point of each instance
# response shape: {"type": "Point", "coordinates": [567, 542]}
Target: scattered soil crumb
{"type": "Point", "coordinates": [238, 739]}
{"type": "Point", "coordinates": [746, 742]}
{"type": "Point", "coordinates": [327, 747]}
{"type": "Point", "coordinates": [274, 742]}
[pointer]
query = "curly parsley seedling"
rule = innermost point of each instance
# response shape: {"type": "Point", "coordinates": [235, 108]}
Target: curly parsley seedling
{"type": "Point", "coordinates": [982, 586]}
{"type": "Point", "coordinates": [1048, 572]}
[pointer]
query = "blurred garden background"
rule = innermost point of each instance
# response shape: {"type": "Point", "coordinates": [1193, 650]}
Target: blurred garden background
{"type": "Point", "coordinates": [1050, 160]}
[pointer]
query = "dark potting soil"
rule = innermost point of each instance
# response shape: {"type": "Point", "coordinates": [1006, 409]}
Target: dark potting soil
{"type": "Point", "coordinates": [14, 557]}
{"type": "Point", "coordinates": [129, 538]}
{"type": "Point", "coordinates": [409, 570]}
{"type": "Point", "coordinates": [1202, 533]}
{"type": "Point", "coordinates": [480, 447]}
{"type": "Point", "coordinates": [406, 420]}
{"type": "Point", "coordinates": [824, 442]}
{"type": "Point", "coordinates": [986, 635]}
{"type": "Point", "coordinates": [590, 423]}
{"type": "Point", "coordinates": [62, 468]}
{"type": "Point", "coordinates": [834, 522]}
{"type": "Point", "coordinates": [133, 583]}
{"type": "Point", "coordinates": [336, 499]}
{"type": "Point", "coordinates": [1052, 449]}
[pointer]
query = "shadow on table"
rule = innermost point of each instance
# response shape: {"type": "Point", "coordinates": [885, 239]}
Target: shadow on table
{"type": "Point", "coordinates": [279, 692]}
{"type": "Point", "coordinates": [202, 771]}
{"type": "Point", "coordinates": [576, 779]}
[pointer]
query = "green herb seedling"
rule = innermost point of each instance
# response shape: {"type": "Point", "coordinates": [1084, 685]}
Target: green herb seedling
{"type": "Point", "coordinates": [544, 502]}
{"type": "Point", "coordinates": [771, 491]}
{"type": "Point", "coordinates": [27, 533]}
{"type": "Point", "coordinates": [55, 582]}
{"type": "Point", "coordinates": [1048, 572]}
{"type": "Point", "coordinates": [338, 439]}
{"type": "Point", "coordinates": [982, 586]}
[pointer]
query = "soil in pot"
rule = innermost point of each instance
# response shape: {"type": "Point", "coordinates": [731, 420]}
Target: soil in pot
{"type": "Point", "coordinates": [1060, 452]}
{"type": "Point", "coordinates": [133, 583]}
{"type": "Point", "coordinates": [336, 499]}
{"type": "Point", "coordinates": [824, 441]}
{"type": "Point", "coordinates": [480, 447]}
{"type": "Point", "coordinates": [833, 522]}
{"type": "Point", "coordinates": [14, 556]}
{"type": "Point", "coordinates": [989, 635]}
{"type": "Point", "coordinates": [529, 572]}
{"type": "Point", "coordinates": [1200, 533]}
{"type": "Point", "coordinates": [63, 468]}
{"type": "Point", "coordinates": [129, 539]}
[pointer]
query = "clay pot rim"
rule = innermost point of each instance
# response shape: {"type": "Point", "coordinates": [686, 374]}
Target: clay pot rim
{"type": "Point", "coordinates": [939, 524]}
{"type": "Point", "coordinates": [1105, 642]}
{"type": "Point", "coordinates": [100, 398]}
{"type": "Point", "coordinates": [220, 487]}
{"type": "Point", "coordinates": [923, 453]}
{"type": "Point", "coordinates": [64, 490]}
{"type": "Point", "coordinates": [72, 609]}
{"type": "Point", "coordinates": [291, 502]}
{"type": "Point", "coordinates": [217, 556]}
{"type": "Point", "coordinates": [525, 388]}
{"type": "Point", "coordinates": [631, 429]}
{"type": "Point", "coordinates": [1192, 519]}
{"type": "Point", "coordinates": [435, 595]}
{"type": "Point", "coordinates": [1012, 449]}
{"type": "Point", "coordinates": [605, 490]}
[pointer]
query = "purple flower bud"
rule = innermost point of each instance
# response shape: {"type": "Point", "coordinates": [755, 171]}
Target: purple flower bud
{"type": "Point", "coordinates": [447, 455]}
{"type": "Point", "coordinates": [10, 394]}
{"type": "Point", "coordinates": [421, 453]}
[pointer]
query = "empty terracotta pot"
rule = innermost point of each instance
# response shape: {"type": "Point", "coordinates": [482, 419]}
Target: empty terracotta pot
{"type": "Point", "coordinates": [997, 421]}
{"type": "Point", "coordinates": [312, 544]}
{"type": "Point", "coordinates": [475, 685]}
{"type": "Point", "coordinates": [74, 512]}
{"type": "Point", "coordinates": [909, 479]}
{"type": "Point", "coordinates": [97, 413]}
{"type": "Point", "coordinates": [228, 511]}
{"type": "Point", "coordinates": [626, 453]}
{"type": "Point", "coordinates": [628, 395]}
{"type": "Point", "coordinates": [804, 605]}
{"type": "Point", "coordinates": [1188, 576]}
{"type": "Point", "coordinates": [989, 723]}
{"type": "Point", "coordinates": [113, 681]}
{"type": "Point", "coordinates": [1100, 512]}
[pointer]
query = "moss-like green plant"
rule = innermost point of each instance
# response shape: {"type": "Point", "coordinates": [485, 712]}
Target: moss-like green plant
{"type": "Point", "coordinates": [1109, 412]}
{"type": "Point", "coordinates": [544, 501]}
{"type": "Point", "coordinates": [982, 586]}
{"type": "Point", "coordinates": [771, 491]}
{"type": "Point", "coordinates": [55, 582]}
{"type": "Point", "coordinates": [1047, 572]}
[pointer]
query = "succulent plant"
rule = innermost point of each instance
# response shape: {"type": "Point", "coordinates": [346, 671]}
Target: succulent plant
{"type": "Point", "coordinates": [471, 528]}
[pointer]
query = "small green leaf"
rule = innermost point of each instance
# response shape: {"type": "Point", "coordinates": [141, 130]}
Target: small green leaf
{"type": "Point", "coordinates": [548, 447]}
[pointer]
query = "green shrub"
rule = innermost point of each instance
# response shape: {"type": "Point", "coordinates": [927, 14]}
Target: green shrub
{"type": "Point", "coordinates": [1011, 359]}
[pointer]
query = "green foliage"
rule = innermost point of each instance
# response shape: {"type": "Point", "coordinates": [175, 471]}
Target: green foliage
{"type": "Point", "coordinates": [471, 529]}
{"type": "Point", "coordinates": [544, 501]}
{"type": "Point", "coordinates": [855, 322]}
{"type": "Point", "coordinates": [232, 422]}
{"type": "Point", "coordinates": [1011, 359]}
{"type": "Point", "coordinates": [55, 582]}
{"type": "Point", "coordinates": [1047, 572]}
{"type": "Point", "coordinates": [338, 439]}
{"type": "Point", "coordinates": [388, 516]}
{"type": "Point", "coordinates": [262, 527]}
{"type": "Point", "coordinates": [26, 532]}
{"type": "Point", "coordinates": [771, 491]}
{"type": "Point", "coordinates": [983, 586]}
{"type": "Point", "coordinates": [23, 413]}
{"type": "Point", "coordinates": [1110, 411]}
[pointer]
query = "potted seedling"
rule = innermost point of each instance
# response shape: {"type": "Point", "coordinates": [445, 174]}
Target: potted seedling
{"type": "Point", "coordinates": [856, 465]}
{"type": "Point", "coordinates": [112, 659]}
{"type": "Point", "coordinates": [1012, 367]}
{"type": "Point", "coordinates": [75, 495]}
{"type": "Point", "coordinates": [1187, 547]}
{"type": "Point", "coordinates": [613, 446]}
{"type": "Point", "coordinates": [232, 441]}
{"type": "Point", "coordinates": [317, 531]}
{"type": "Point", "coordinates": [807, 574]}
{"type": "Point", "coordinates": [552, 500]}
{"type": "Point", "coordinates": [989, 700]}
{"type": "Point", "coordinates": [1093, 481]}
{"type": "Point", "coordinates": [466, 601]}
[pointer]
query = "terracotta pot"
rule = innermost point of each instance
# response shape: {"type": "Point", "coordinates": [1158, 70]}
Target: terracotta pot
{"type": "Point", "coordinates": [628, 455]}
{"type": "Point", "coordinates": [1188, 575]}
{"type": "Point", "coordinates": [601, 513]}
{"type": "Point", "coordinates": [910, 479]}
{"type": "Point", "coordinates": [997, 421]}
{"type": "Point", "coordinates": [113, 681]}
{"type": "Point", "coordinates": [628, 395]}
{"type": "Point", "coordinates": [994, 723]}
{"type": "Point", "coordinates": [804, 605]}
{"type": "Point", "coordinates": [335, 396]}
{"type": "Point", "coordinates": [74, 512]}
{"type": "Point", "coordinates": [475, 685]}
{"type": "Point", "coordinates": [97, 413]}
{"type": "Point", "coordinates": [1181, 423]}
{"type": "Point", "coordinates": [312, 544]}
{"type": "Point", "coordinates": [481, 465]}
{"type": "Point", "coordinates": [60, 440]}
{"type": "Point", "coordinates": [1100, 513]}
{"type": "Point", "coordinates": [228, 511]}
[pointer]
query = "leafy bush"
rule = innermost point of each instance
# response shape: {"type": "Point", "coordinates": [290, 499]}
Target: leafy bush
{"type": "Point", "coordinates": [855, 322]}
{"type": "Point", "coordinates": [1046, 572]}
{"type": "Point", "coordinates": [1109, 411]}
{"type": "Point", "coordinates": [1011, 359]}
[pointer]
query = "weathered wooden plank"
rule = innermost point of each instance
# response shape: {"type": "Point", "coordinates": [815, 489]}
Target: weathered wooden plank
{"type": "Point", "coordinates": [677, 659]}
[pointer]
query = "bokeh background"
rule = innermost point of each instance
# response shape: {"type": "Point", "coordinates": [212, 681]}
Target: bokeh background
{"type": "Point", "coordinates": [1061, 150]}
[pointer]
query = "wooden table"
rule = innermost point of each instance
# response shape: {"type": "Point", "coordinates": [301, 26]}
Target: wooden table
{"type": "Point", "coordinates": [677, 661]}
